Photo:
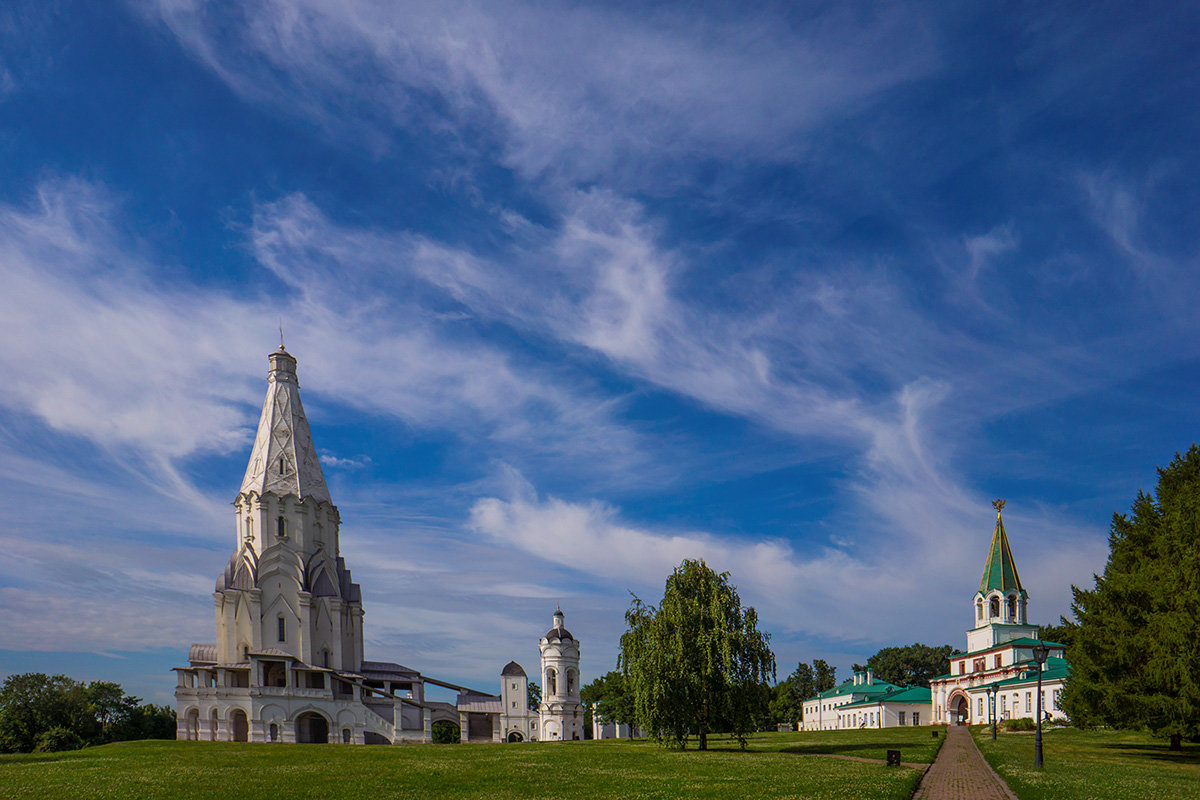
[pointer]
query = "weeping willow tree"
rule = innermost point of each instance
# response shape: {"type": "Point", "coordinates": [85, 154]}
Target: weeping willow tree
{"type": "Point", "coordinates": [697, 663]}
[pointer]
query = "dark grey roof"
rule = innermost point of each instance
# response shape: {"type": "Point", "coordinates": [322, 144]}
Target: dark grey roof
{"type": "Point", "coordinates": [376, 668]}
{"type": "Point", "coordinates": [559, 634]}
{"type": "Point", "coordinates": [512, 669]}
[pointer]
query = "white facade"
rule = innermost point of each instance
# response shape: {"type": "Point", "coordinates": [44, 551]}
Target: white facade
{"type": "Point", "coordinates": [561, 713]}
{"type": "Point", "coordinates": [602, 729]}
{"type": "Point", "coordinates": [518, 722]}
{"type": "Point", "coordinates": [823, 712]}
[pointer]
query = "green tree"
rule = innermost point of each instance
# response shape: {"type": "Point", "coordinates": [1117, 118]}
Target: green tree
{"type": "Point", "coordinates": [787, 702]}
{"type": "Point", "coordinates": [1134, 658]}
{"type": "Point", "coordinates": [826, 676]}
{"type": "Point", "coordinates": [1063, 632]}
{"type": "Point", "coordinates": [533, 694]}
{"type": "Point", "coordinates": [698, 661]}
{"type": "Point", "coordinates": [614, 701]}
{"type": "Point", "coordinates": [32, 703]}
{"type": "Point", "coordinates": [912, 665]}
{"type": "Point", "coordinates": [111, 707]}
{"type": "Point", "coordinates": [445, 732]}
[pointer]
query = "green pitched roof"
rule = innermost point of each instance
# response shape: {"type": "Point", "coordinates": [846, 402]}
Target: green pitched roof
{"type": "Point", "coordinates": [899, 694]}
{"type": "Point", "coordinates": [1000, 572]}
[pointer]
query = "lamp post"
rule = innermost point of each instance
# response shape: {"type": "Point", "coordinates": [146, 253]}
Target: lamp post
{"type": "Point", "coordinates": [991, 693]}
{"type": "Point", "coordinates": [1040, 651]}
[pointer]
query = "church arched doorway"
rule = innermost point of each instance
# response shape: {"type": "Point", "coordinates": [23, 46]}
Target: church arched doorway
{"type": "Point", "coordinates": [312, 728]}
{"type": "Point", "coordinates": [962, 711]}
{"type": "Point", "coordinates": [516, 737]}
{"type": "Point", "coordinates": [239, 725]}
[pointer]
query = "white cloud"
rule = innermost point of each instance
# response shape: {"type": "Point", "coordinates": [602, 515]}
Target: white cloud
{"type": "Point", "coordinates": [573, 90]}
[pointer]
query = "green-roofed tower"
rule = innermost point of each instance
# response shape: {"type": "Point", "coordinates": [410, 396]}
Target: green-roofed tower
{"type": "Point", "coordinates": [1000, 604]}
{"type": "Point", "coordinates": [1000, 571]}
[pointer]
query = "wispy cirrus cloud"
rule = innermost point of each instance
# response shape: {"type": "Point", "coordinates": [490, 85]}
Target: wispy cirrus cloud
{"type": "Point", "coordinates": [572, 91]}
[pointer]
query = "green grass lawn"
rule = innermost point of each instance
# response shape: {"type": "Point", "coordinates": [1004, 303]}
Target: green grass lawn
{"type": "Point", "coordinates": [1093, 765]}
{"type": "Point", "coordinates": [774, 765]}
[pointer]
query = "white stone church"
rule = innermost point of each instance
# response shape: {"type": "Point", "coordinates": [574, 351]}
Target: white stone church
{"type": "Point", "coordinates": [288, 662]}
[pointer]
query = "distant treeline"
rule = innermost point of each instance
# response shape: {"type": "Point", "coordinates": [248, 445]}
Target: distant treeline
{"type": "Point", "coordinates": [46, 713]}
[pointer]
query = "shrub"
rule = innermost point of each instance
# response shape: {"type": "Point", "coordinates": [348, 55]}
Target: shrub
{"type": "Point", "coordinates": [1020, 724]}
{"type": "Point", "coordinates": [58, 739]}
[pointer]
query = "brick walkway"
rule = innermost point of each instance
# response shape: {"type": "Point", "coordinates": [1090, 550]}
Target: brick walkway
{"type": "Point", "coordinates": [960, 773]}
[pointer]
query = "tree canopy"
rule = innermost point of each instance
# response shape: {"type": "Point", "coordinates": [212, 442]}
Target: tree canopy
{"type": "Point", "coordinates": [787, 702]}
{"type": "Point", "coordinates": [43, 712]}
{"type": "Point", "coordinates": [912, 665]}
{"type": "Point", "coordinates": [1134, 658]}
{"type": "Point", "coordinates": [697, 662]}
{"type": "Point", "coordinates": [613, 698]}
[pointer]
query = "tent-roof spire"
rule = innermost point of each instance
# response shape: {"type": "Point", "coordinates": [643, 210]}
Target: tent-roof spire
{"type": "Point", "coordinates": [1000, 571]}
{"type": "Point", "coordinates": [284, 460]}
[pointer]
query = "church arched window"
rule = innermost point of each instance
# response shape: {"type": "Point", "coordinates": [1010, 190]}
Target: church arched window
{"type": "Point", "coordinates": [1012, 607]}
{"type": "Point", "coordinates": [994, 607]}
{"type": "Point", "coordinates": [281, 528]}
{"type": "Point", "coordinates": [551, 682]}
{"type": "Point", "coordinates": [282, 628]}
{"type": "Point", "coordinates": [979, 610]}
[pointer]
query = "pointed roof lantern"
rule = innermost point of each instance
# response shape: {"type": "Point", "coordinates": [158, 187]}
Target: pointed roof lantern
{"type": "Point", "coordinates": [283, 460]}
{"type": "Point", "coordinates": [1000, 571]}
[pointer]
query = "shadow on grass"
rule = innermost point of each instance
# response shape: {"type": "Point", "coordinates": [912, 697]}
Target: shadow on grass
{"type": "Point", "coordinates": [846, 749]}
{"type": "Point", "coordinates": [1159, 752]}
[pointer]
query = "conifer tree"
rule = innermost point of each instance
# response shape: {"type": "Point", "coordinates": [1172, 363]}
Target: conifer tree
{"type": "Point", "coordinates": [698, 662]}
{"type": "Point", "coordinates": [1134, 659]}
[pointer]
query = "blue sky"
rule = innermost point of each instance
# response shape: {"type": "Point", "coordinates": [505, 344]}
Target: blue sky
{"type": "Point", "coordinates": [578, 291]}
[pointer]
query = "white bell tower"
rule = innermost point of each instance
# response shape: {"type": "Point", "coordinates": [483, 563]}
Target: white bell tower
{"type": "Point", "coordinates": [561, 715]}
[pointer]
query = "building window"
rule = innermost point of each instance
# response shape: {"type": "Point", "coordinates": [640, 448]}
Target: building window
{"type": "Point", "coordinates": [345, 736]}
{"type": "Point", "coordinates": [962, 668]}
{"type": "Point", "coordinates": [1057, 696]}
{"type": "Point", "coordinates": [996, 661]}
{"type": "Point", "coordinates": [281, 528]}
{"type": "Point", "coordinates": [1003, 704]}
{"type": "Point", "coordinates": [979, 610]}
{"type": "Point", "coordinates": [274, 732]}
{"type": "Point", "coordinates": [1012, 607]}
{"type": "Point", "coordinates": [994, 607]}
{"type": "Point", "coordinates": [901, 717]}
{"type": "Point", "coordinates": [981, 706]}
{"type": "Point", "coordinates": [1028, 702]}
{"type": "Point", "coordinates": [282, 629]}
{"type": "Point", "coordinates": [282, 466]}
{"type": "Point", "coordinates": [916, 718]}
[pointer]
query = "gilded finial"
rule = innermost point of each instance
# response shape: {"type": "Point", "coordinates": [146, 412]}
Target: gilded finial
{"type": "Point", "coordinates": [998, 505]}
{"type": "Point", "coordinates": [281, 347]}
